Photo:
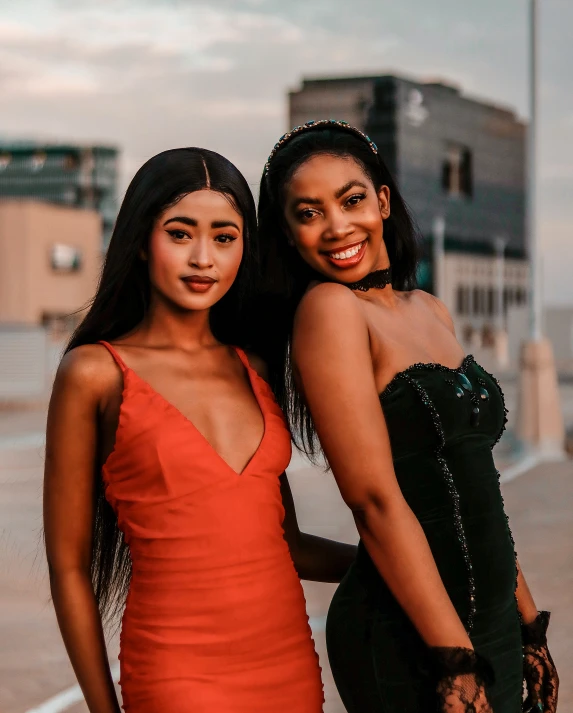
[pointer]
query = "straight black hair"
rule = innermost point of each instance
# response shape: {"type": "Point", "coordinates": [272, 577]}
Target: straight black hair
{"type": "Point", "coordinates": [286, 276]}
{"type": "Point", "coordinates": [122, 300]}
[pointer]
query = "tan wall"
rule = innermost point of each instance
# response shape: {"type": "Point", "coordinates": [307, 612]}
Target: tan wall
{"type": "Point", "coordinates": [29, 286]}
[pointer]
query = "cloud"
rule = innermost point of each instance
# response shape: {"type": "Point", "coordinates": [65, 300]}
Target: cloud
{"type": "Point", "coordinates": [151, 74]}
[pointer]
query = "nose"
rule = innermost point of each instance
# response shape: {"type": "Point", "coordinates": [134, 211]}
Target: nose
{"type": "Point", "coordinates": [338, 226]}
{"type": "Point", "coordinates": [201, 254]}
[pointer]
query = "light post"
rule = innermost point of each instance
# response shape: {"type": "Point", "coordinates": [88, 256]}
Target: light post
{"type": "Point", "coordinates": [501, 336]}
{"type": "Point", "coordinates": [535, 287]}
{"type": "Point", "coordinates": [539, 417]}
{"type": "Point", "coordinates": [499, 244]}
{"type": "Point", "coordinates": [438, 249]}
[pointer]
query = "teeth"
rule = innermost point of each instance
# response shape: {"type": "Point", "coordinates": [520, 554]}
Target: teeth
{"type": "Point", "coordinates": [348, 253]}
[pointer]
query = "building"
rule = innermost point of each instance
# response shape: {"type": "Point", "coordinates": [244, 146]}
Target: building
{"type": "Point", "coordinates": [66, 174]}
{"type": "Point", "coordinates": [50, 260]}
{"type": "Point", "coordinates": [454, 158]}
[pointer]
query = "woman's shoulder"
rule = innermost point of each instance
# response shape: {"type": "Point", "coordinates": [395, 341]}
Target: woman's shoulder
{"type": "Point", "coordinates": [435, 304]}
{"type": "Point", "coordinates": [258, 364]}
{"type": "Point", "coordinates": [328, 318]}
{"type": "Point", "coordinates": [87, 369]}
{"type": "Point", "coordinates": [327, 300]}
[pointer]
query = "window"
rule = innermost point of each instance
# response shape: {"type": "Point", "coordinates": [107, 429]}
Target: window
{"type": "Point", "coordinates": [490, 302]}
{"type": "Point", "coordinates": [463, 300]}
{"type": "Point", "coordinates": [476, 306]}
{"type": "Point", "coordinates": [521, 296]}
{"type": "Point", "coordinates": [65, 258]}
{"type": "Point", "coordinates": [457, 170]}
{"type": "Point", "coordinates": [460, 300]}
{"type": "Point", "coordinates": [5, 159]}
{"type": "Point", "coordinates": [37, 161]}
{"type": "Point", "coordinates": [71, 162]}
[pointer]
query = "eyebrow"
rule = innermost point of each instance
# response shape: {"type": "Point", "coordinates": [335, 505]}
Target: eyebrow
{"type": "Point", "coordinates": [339, 193]}
{"type": "Point", "coordinates": [193, 223]}
{"type": "Point", "coordinates": [351, 184]}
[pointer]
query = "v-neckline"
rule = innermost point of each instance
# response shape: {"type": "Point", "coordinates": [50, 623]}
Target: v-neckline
{"type": "Point", "coordinates": [255, 389]}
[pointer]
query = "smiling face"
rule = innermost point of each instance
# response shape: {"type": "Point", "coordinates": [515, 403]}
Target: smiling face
{"type": "Point", "coordinates": [334, 217]}
{"type": "Point", "coordinates": [195, 250]}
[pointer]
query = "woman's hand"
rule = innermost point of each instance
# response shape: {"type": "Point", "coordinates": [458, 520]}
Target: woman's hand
{"type": "Point", "coordinates": [463, 677]}
{"type": "Point", "coordinates": [315, 558]}
{"type": "Point", "coordinates": [539, 672]}
{"type": "Point", "coordinates": [462, 694]}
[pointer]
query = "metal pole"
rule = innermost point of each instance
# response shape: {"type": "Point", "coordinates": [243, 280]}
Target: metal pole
{"type": "Point", "coordinates": [439, 232]}
{"type": "Point", "coordinates": [535, 296]}
{"type": "Point", "coordinates": [499, 244]}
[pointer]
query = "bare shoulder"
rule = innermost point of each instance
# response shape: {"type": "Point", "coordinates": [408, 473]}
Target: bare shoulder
{"type": "Point", "coordinates": [437, 307]}
{"type": "Point", "coordinates": [328, 305]}
{"type": "Point", "coordinates": [330, 323]}
{"type": "Point", "coordinates": [89, 369]}
{"type": "Point", "coordinates": [258, 364]}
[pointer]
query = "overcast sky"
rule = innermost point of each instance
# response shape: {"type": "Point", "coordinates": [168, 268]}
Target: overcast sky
{"type": "Point", "coordinates": [148, 75]}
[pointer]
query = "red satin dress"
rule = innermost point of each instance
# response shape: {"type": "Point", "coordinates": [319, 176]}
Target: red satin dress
{"type": "Point", "coordinates": [215, 619]}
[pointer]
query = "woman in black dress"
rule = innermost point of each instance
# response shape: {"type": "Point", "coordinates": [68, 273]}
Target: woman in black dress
{"type": "Point", "coordinates": [435, 614]}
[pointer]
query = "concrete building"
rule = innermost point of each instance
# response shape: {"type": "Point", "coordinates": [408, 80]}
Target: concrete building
{"type": "Point", "coordinates": [454, 158]}
{"type": "Point", "coordinates": [50, 259]}
{"type": "Point", "coordinates": [66, 174]}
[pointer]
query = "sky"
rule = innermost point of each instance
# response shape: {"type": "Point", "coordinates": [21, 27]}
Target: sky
{"type": "Point", "coordinates": [147, 75]}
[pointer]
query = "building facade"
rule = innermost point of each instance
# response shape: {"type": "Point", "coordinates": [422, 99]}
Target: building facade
{"type": "Point", "coordinates": [50, 261]}
{"type": "Point", "coordinates": [65, 174]}
{"type": "Point", "coordinates": [455, 159]}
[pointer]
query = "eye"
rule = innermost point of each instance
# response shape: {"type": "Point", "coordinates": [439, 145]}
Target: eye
{"type": "Point", "coordinates": [356, 198]}
{"type": "Point", "coordinates": [225, 238]}
{"type": "Point", "coordinates": [178, 234]}
{"type": "Point", "coordinates": [306, 214]}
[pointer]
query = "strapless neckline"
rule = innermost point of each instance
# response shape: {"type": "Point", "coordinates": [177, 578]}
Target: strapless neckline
{"type": "Point", "coordinates": [429, 366]}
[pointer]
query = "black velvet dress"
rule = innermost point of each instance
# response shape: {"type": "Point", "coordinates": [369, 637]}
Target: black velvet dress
{"type": "Point", "coordinates": [442, 424]}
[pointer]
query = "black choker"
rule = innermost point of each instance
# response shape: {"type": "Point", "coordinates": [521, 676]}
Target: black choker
{"type": "Point", "coordinates": [378, 278]}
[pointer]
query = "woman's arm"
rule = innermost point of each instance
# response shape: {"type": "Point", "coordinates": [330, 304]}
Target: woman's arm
{"type": "Point", "coordinates": [68, 519]}
{"type": "Point", "coordinates": [315, 558]}
{"type": "Point", "coordinates": [331, 352]}
{"type": "Point", "coordinates": [525, 602]}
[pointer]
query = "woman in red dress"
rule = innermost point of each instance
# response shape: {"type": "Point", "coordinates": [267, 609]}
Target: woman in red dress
{"type": "Point", "coordinates": [165, 467]}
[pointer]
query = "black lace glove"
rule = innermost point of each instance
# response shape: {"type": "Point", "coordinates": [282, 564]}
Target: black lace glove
{"type": "Point", "coordinates": [462, 677]}
{"type": "Point", "coordinates": [539, 673]}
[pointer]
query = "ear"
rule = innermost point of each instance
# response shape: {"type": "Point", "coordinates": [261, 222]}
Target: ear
{"type": "Point", "coordinates": [384, 202]}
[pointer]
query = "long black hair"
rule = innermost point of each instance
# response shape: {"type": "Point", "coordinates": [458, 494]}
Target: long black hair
{"type": "Point", "coordinates": [286, 275]}
{"type": "Point", "coordinates": [122, 300]}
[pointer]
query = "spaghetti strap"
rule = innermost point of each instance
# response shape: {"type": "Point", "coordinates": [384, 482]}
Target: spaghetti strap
{"type": "Point", "coordinates": [244, 358]}
{"type": "Point", "coordinates": [119, 361]}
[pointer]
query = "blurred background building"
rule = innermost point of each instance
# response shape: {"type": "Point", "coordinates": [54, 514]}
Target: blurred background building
{"type": "Point", "coordinates": [58, 204]}
{"type": "Point", "coordinates": [50, 258]}
{"type": "Point", "coordinates": [79, 176]}
{"type": "Point", "coordinates": [460, 164]}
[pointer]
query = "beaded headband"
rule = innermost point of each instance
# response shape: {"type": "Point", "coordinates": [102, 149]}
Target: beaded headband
{"type": "Point", "coordinates": [313, 125]}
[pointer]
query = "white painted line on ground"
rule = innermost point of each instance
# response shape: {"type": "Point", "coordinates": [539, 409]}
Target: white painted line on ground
{"type": "Point", "coordinates": [529, 461]}
{"type": "Point", "coordinates": [522, 466]}
{"type": "Point", "coordinates": [64, 700]}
